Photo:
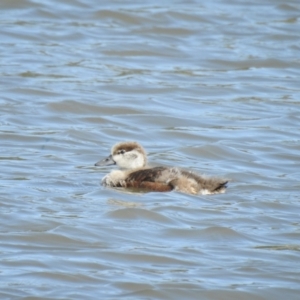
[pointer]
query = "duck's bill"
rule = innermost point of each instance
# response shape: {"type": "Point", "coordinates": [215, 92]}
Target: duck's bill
{"type": "Point", "coordinates": [106, 161]}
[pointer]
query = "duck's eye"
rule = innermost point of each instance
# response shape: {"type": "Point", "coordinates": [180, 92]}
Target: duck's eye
{"type": "Point", "coordinates": [121, 151]}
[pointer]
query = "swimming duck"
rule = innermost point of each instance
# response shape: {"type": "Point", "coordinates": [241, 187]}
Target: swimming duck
{"type": "Point", "coordinates": [132, 159]}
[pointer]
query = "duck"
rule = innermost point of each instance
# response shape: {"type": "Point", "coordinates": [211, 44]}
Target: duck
{"type": "Point", "coordinates": [134, 173]}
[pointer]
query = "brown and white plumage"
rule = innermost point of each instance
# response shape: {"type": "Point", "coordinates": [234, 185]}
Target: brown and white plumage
{"type": "Point", "coordinates": [132, 159]}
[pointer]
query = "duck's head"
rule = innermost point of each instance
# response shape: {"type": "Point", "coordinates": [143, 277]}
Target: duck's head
{"type": "Point", "coordinates": [126, 155]}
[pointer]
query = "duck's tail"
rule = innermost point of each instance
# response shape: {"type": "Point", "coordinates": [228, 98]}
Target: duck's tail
{"type": "Point", "coordinates": [205, 185]}
{"type": "Point", "coordinates": [219, 186]}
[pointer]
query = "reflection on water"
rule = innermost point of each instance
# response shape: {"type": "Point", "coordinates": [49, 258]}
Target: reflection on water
{"type": "Point", "coordinates": [213, 87]}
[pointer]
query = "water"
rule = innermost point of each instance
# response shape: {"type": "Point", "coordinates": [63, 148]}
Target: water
{"type": "Point", "coordinates": [212, 87]}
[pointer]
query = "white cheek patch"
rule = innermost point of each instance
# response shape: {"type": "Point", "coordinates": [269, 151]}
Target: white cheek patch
{"type": "Point", "coordinates": [132, 155]}
{"type": "Point", "coordinates": [137, 160]}
{"type": "Point", "coordinates": [118, 158]}
{"type": "Point", "coordinates": [130, 160]}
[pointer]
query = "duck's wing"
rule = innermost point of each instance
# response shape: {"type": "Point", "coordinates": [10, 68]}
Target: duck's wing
{"type": "Point", "coordinates": [149, 179]}
{"type": "Point", "coordinates": [151, 174]}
